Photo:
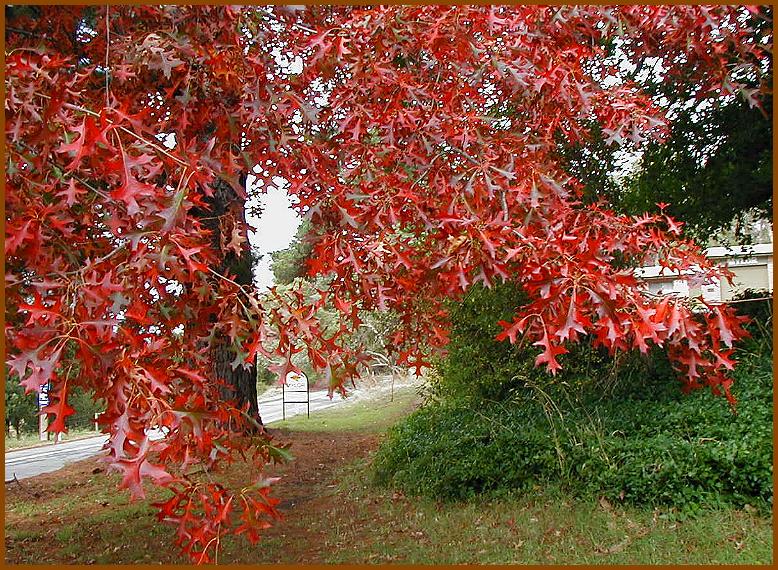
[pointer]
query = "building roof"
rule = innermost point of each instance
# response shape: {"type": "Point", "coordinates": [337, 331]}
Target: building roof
{"type": "Point", "coordinates": [740, 250]}
{"type": "Point", "coordinates": [654, 271]}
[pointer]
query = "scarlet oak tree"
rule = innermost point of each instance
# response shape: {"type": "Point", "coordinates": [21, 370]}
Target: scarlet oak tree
{"type": "Point", "coordinates": [121, 125]}
{"type": "Point", "coordinates": [435, 166]}
{"type": "Point", "coordinates": [420, 142]}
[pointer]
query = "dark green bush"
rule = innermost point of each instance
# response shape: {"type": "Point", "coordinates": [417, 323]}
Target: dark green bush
{"type": "Point", "coordinates": [21, 410]}
{"type": "Point", "coordinates": [85, 408]}
{"type": "Point", "coordinates": [757, 305]}
{"type": "Point", "coordinates": [265, 378]}
{"type": "Point", "coordinates": [654, 445]}
{"type": "Point", "coordinates": [479, 368]}
{"type": "Point", "coordinates": [616, 427]}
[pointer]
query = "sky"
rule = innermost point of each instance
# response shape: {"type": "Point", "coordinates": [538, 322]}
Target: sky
{"type": "Point", "coordinates": [279, 222]}
{"type": "Point", "coordinates": [275, 227]}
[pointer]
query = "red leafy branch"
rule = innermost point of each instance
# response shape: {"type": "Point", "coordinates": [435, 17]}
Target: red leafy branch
{"type": "Point", "coordinates": [420, 141]}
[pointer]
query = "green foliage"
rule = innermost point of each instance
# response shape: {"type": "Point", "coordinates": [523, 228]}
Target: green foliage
{"type": "Point", "coordinates": [242, 268]}
{"type": "Point", "coordinates": [289, 264]}
{"type": "Point", "coordinates": [758, 307]}
{"type": "Point", "coordinates": [479, 368]}
{"type": "Point", "coordinates": [618, 427]}
{"type": "Point", "coordinates": [85, 408]}
{"type": "Point", "coordinates": [715, 166]}
{"type": "Point", "coordinates": [21, 410]}
{"type": "Point", "coordinates": [654, 446]}
{"type": "Point", "coordinates": [594, 163]}
{"type": "Point", "coordinates": [265, 377]}
{"type": "Point", "coordinates": [372, 335]}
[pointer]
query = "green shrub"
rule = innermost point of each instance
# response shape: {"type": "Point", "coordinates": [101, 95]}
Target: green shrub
{"type": "Point", "coordinates": [494, 424]}
{"type": "Point", "coordinates": [654, 445]}
{"type": "Point", "coordinates": [265, 378]}
{"type": "Point", "coordinates": [757, 305]}
{"type": "Point", "coordinates": [21, 410]}
{"type": "Point", "coordinates": [85, 408]}
{"type": "Point", "coordinates": [479, 368]}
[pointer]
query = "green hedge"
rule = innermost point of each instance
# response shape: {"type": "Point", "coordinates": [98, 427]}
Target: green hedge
{"type": "Point", "coordinates": [757, 305]}
{"type": "Point", "coordinates": [479, 368]}
{"type": "Point", "coordinates": [651, 445]}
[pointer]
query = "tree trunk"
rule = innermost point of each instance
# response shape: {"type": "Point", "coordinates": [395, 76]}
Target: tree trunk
{"type": "Point", "coordinates": [241, 382]}
{"type": "Point", "coordinates": [226, 208]}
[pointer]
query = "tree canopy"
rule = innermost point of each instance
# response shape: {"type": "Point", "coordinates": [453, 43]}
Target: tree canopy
{"type": "Point", "coordinates": [289, 263]}
{"type": "Point", "coordinates": [21, 409]}
{"type": "Point", "coordinates": [715, 166]}
{"type": "Point", "coordinates": [421, 143]}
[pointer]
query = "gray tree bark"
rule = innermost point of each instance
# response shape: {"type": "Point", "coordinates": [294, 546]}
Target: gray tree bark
{"type": "Point", "coordinates": [241, 383]}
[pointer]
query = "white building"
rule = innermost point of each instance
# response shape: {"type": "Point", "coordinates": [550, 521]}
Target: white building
{"type": "Point", "coordinates": [751, 264]}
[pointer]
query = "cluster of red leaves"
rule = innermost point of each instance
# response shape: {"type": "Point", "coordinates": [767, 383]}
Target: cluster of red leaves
{"type": "Point", "coordinates": [436, 166]}
{"type": "Point", "coordinates": [419, 140]}
{"type": "Point", "coordinates": [109, 273]}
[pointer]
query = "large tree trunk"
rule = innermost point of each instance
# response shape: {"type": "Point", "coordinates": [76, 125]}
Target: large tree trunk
{"type": "Point", "coordinates": [227, 206]}
{"type": "Point", "coordinates": [241, 382]}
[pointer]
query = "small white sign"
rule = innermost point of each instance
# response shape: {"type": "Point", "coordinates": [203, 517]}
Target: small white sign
{"type": "Point", "coordinates": [296, 382]}
{"type": "Point", "coordinates": [43, 396]}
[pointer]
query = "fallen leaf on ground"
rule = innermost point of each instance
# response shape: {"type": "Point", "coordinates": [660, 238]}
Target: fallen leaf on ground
{"type": "Point", "coordinates": [616, 548]}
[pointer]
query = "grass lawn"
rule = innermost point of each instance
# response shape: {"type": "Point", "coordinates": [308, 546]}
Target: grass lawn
{"type": "Point", "coordinates": [364, 416]}
{"type": "Point", "coordinates": [33, 440]}
{"type": "Point", "coordinates": [333, 515]}
{"type": "Point", "coordinates": [543, 528]}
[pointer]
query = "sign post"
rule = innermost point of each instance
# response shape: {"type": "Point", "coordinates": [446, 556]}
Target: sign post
{"type": "Point", "coordinates": [296, 384]}
{"type": "Point", "coordinates": [43, 420]}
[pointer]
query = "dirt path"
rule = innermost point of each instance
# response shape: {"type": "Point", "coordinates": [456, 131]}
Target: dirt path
{"type": "Point", "coordinates": [80, 502]}
{"type": "Point", "coordinates": [309, 491]}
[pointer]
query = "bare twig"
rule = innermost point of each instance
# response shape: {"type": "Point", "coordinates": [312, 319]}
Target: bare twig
{"type": "Point", "coordinates": [749, 300]}
{"type": "Point", "coordinates": [22, 487]}
{"type": "Point", "coordinates": [107, 50]}
{"type": "Point", "coordinates": [23, 32]}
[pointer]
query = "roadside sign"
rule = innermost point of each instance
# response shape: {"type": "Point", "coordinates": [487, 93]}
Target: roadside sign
{"type": "Point", "coordinates": [296, 382]}
{"type": "Point", "coordinates": [297, 388]}
{"type": "Point", "coordinates": [43, 420]}
{"type": "Point", "coordinates": [43, 396]}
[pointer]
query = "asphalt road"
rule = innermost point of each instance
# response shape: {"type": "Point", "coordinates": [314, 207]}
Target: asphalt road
{"type": "Point", "coordinates": [29, 462]}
